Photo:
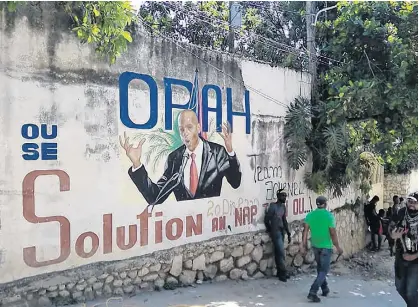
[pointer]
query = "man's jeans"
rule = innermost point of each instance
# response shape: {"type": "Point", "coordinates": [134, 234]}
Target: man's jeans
{"type": "Point", "coordinates": [323, 257]}
{"type": "Point", "coordinates": [407, 282]}
{"type": "Point", "coordinates": [279, 250]}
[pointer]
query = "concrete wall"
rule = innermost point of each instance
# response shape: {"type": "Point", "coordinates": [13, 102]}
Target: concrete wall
{"type": "Point", "coordinates": [68, 197]}
{"type": "Point", "coordinates": [400, 185]}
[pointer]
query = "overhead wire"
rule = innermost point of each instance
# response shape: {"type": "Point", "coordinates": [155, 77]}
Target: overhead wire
{"type": "Point", "coordinates": [277, 45]}
{"type": "Point", "coordinates": [250, 88]}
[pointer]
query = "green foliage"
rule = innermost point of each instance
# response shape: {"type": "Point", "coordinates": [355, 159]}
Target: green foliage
{"type": "Point", "coordinates": [366, 112]}
{"type": "Point", "coordinates": [103, 24]}
{"type": "Point", "coordinates": [205, 23]}
{"type": "Point", "coordinates": [297, 132]}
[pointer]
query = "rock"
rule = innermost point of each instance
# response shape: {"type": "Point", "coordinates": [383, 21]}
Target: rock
{"type": "Point", "coordinates": [188, 264]}
{"type": "Point", "coordinates": [91, 280]}
{"type": "Point", "coordinates": [200, 276]}
{"type": "Point", "coordinates": [64, 293]}
{"type": "Point", "coordinates": [45, 301]}
{"type": "Point", "coordinates": [199, 263]}
{"type": "Point", "coordinates": [155, 268]}
{"type": "Point", "coordinates": [243, 261]}
{"type": "Point", "coordinates": [270, 262]}
{"type": "Point", "coordinates": [257, 253]}
{"type": "Point", "coordinates": [263, 265]}
{"type": "Point", "coordinates": [42, 292]}
{"type": "Point", "coordinates": [220, 278]}
{"type": "Point", "coordinates": [245, 276]}
{"type": "Point", "coordinates": [61, 287]}
{"type": "Point", "coordinates": [129, 289]}
{"type": "Point", "coordinates": [145, 285]}
{"type": "Point", "coordinates": [268, 248]}
{"type": "Point", "coordinates": [70, 286]}
{"type": "Point", "coordinates": [107, 290]}
{"type": "Point", "coordinates": [88, 293]}
{"type": "Point", "coordinates": [227, 252]}
{"type": "Point", "coordinates": [257, 241]}
{"type": "Point", "coordinates": [187, 277]}
{"type": "Point", "coordinates": [127, 281]}
{"type": "Point", "coordinates": [237, 252]}
{"type": "Point", "coordinates": [288, 260]}
{"type": "Point", "coordinates": [211, 270]}
{"type": "Point", "coordinates": [216, 256]}
{"type": "Point", "coordinates": [251, 268]}
{"type": "Point", "coordinates": [298, 260]}
{"type": "Point", "coordinates": [109, 279]}
{"type": "Point", "coordinates": [266, 238]}
{"type": "Point", "coordinates": [103, 276]}
{"type": "Point", "coordinates": [76, 295]}
{"type": "Point", "coordinates": [258, 275]}
{"type": "Point", "coordinates": [293, 250]}
{"type": "Point", "coordinates": [159, 283]}
{"type": "Point", "coordinates": [176, 265]}
{"type": "Point", "coordinates": [52, 294]}
{"type": "Point", "coordinates": [150, 277]}
{"type": "Point", "coordinates": [97, 285]}
{"type": "Point", "coordinates": [143, 272]}
{"type": "Point", "coordinates": [123, 275]}
{"type": "Point", "coordinates": [236, 274]}
{"type": "Point", "coordinates": [118, 291]}
{"type": "Point", "coordinates": [309, 257]}
{"type": "Point", "coordinates": [53, 288]}
{"type": "Point", "coordinates": [226, 265]}
{"type": "Point", "coordinates": [81, 287]}
{"type": "Point", "coordinates": [171, 280]}
{"type": "Point", "coordinates": [137, 281]}
{"type": "Point", "coordinates": [248, 248]}
{"type": "Point", "coordinates": [133, 274]}
{"type": "Point", "coordinates": [98, 294]}
{"type": "Point", "coordinates": [117, 283]}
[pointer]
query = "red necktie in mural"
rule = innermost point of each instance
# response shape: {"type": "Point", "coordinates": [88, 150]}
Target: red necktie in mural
{"type": "Point", "coordinates": [194, 176]}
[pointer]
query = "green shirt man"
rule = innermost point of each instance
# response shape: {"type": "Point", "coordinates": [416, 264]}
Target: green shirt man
{"type": "Point", "coordinates": [322, 225]}
{"type": "Point", "coordinates": [320, 221]}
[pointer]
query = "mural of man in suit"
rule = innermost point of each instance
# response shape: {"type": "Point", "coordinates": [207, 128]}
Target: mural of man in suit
{"type": "Point", "coordinates": [193, 171]}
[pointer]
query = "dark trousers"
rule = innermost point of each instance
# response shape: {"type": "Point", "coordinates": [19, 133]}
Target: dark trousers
{"type": "Point", "coordinates": [373, 242]}
{"type": "Point", "coordinates": [407, 282]}
{"type": "Point", "coordinates": [323, 257]}
{"type": "Point", "coordinates": [279, 251]}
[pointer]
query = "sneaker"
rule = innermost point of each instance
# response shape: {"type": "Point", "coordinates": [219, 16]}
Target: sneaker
{"type": "Point", "coordinates": [313, 298]}
{"type": "Point", "coordinates": [325, 292]}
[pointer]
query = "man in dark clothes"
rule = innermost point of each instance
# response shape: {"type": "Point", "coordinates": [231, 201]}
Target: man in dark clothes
{"type": "Point", "coordinates": [373, 221]}
{"type": "Point", "coordinates": [277, 225]}
{"type": "Point", "coordinates": [404, 229]}
{"type": "Point", "coordinates": [396, 204]}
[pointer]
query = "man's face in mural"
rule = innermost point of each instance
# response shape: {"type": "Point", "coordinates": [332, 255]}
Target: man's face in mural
{"type": "Point", "coordinates": [189, 129]}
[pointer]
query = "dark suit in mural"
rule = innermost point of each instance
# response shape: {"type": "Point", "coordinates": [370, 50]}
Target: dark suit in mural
{"type": "Point", "coordinates": [193, 171]}
{"type": "Point", "coordinates": [216, 164]}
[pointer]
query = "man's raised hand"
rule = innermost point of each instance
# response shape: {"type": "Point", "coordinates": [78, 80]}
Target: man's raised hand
{"type": "Point", "coordinates": [133, 153]}
{"type": "Point", "coordinates": [226, 135]}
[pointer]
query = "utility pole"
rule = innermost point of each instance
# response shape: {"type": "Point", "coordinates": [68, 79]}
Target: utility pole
{"type": "Point", "coordinates": [311, 45]}
{"type": "Point", "coordinates": [230, 28]}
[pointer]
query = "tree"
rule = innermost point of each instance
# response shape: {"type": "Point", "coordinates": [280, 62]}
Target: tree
{"type": "Point", "coordinates": [205, 24]}
{"type": "Point", "coordinates": [366, 111]}
{"type": "Point", "coordinates": [106, 25]}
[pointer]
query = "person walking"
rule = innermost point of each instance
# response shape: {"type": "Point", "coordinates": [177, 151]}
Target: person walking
{"type": "Point", "coordinates": [277, 226]}
{"type": "Point", "coordinates": [404, 230]}
{"type": "Point", "coordinates": [321, 223]}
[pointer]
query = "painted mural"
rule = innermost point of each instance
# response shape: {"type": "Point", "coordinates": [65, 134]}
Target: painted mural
{"type": "Point", "coordinates": [178, 164]}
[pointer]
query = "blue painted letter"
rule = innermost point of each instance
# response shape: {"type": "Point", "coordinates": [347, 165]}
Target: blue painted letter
{"type": "Point", "coordinates": [218, 107]}
{"type": "Point", "coordinates": [231, 113]}
{"type": "Point", "coordinates": [168, 105]}
{"type": "Point", "coordinates": [31, 151]}
{"type": "Point", "coordinates": [124, 81]}
{"type": "Point", "coordinates": [34, 131]}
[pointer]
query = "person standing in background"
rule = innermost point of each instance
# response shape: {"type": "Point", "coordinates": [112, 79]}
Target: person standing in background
{"type": "Point", "coordinates": [321, 223]}
{"type": "Point", "coordinates": [404, 229]}
{"type": "Point", "coordinates": [277, 226]}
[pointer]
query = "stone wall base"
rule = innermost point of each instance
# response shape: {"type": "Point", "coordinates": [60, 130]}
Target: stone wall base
{"type": "Point", "coordinates": [233, 257]}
